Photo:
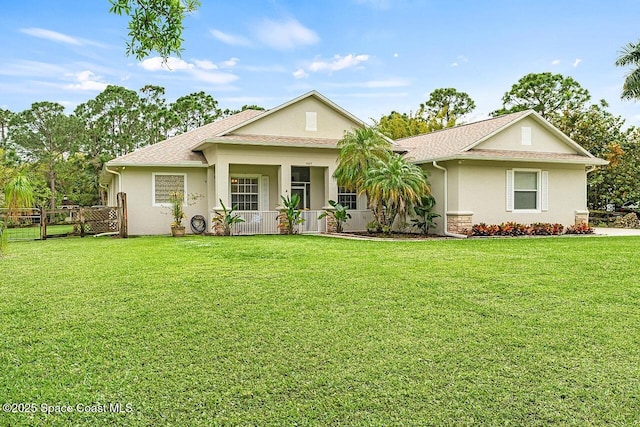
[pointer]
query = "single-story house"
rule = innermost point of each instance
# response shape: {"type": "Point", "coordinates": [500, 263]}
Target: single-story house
{"type": "Point", "coordinates": [517, 167]}
{"type": "Point", "coordinates": [248, 159]}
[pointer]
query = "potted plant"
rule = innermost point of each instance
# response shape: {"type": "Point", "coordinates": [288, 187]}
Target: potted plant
{"type": "Point", "coordinates": [176, 199]}
{"type": "Point", "coordinates": [337, 213]}
{"type": "Point", "coordinates": [290, 216]}
{"type": "Point", "coordinates": [224, 220]}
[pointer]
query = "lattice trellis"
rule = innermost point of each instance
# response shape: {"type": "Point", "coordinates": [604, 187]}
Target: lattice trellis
{"type": "Point", "coordinates": [100, 220]}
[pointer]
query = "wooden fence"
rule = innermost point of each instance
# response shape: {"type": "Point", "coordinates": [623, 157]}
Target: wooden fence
{"type": "Point", "coordinates": [40, 223]}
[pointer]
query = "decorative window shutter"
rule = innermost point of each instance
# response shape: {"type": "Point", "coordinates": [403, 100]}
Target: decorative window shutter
{"type": "Point", "coordinates": [264, 193]}
{"type": "Point", "coordinates": [312, 121]}
{"type": "Point", "coordinates": [544, 190]}
{"type": "Point", "coordinates": [509, 190]}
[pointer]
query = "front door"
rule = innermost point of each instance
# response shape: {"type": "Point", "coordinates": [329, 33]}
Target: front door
{"type": "Point", "coordinates": [302, 190]}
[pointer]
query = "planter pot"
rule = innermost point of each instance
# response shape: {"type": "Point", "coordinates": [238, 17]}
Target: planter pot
{"type": "Point", "coordinates": [177, 231]}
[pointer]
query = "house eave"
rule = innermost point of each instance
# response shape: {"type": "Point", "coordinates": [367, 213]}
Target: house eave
{"type": "Point", "coordinates": [587, 161]}
{"type": "Point", "coordinates": [183, 164]}
{"type": "Point", "coordinates": [207, 143]}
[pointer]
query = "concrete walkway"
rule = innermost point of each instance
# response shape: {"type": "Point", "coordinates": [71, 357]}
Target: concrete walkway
{"type": "Point", "coordinates": [604, 231]}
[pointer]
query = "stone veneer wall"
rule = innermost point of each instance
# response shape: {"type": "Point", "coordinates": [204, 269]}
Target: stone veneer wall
{"type": "Point", "coordinates": [582, 217]}
{"type": "Point", "coordinates": [459, 223]}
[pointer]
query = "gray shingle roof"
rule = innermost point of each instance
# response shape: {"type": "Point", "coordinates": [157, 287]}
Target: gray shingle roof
{"type": "Point", "coordinates": [177, 150]}
{"type": "Point", "coordinates": [459, 142]}
{"type": "Point", "coordinates": [449, 142]}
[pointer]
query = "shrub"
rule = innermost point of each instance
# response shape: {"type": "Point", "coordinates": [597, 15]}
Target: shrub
{"type": "Point", "coordinates": [580, 229]}
{"type": "Point", "coordinates": [483, 229]}
{"type": "Point", "coordinates": [546, 229]}
{"type": "Point", "coordinates": [516, 229]}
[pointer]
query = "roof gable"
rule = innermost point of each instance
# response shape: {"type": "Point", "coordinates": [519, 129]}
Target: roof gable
{"type": "Point", "coordinates": [498, 138]}
{"type": "Point", "coordinates": [308, 116]}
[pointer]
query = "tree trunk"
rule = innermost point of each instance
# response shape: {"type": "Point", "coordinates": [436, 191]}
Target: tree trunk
{"type": "Point", "coordinates": [52, 187]}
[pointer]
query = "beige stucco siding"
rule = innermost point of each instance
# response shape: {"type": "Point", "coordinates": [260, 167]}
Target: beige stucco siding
{"type": "Point", "coordinates": [480, 188]}
{"type": "Point", "coordinates": [292, 120]}
{"type": "Point", "coordinates": [482, 191]}
{"type": "Point", "coordinates": [144, 218]}
{"type": "Point", "coordinates": [454, 183]}
{"type": "Point", "coordinates": [436, 183]}
{"type": "Point", "coordinates": [542, 140]}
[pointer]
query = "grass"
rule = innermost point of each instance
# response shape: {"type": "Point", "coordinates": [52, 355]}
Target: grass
{"type": "Point", "coordinates": [305, 330]}
{"type": "Point", "coordinates": [33, 232]}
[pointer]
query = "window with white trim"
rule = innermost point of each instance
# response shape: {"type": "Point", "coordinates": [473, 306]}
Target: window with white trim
{"type": "Point", "coordinates": [348, 199]}
{"type": "Point", "coordinates": [245, 193]}
{"type": "Point", "coordinates": [527, 190]}
{"type": "Point", "coordinates": [166, 183]}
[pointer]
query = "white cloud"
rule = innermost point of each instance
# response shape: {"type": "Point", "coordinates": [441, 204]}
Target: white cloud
{"type": "Point", "coordinates": [213, 78]}
{"type": "Point", "coordinates": [276, 68]}
{"type": "Point", "coordinates": [51, 35]}
{"type": "Point", "coordinates": [231, 62]}
{"type": "Point", "coordinates": [172, 64]}
{"type": "Point", "coordinates": [230, 39]}
{"type": "Point", "coordinates": [285, 35]}
{"type": "Point", "coordinates": [460, 59]}
{"type": "Point", "coordinates": [577, 62]}
{"type": "Point", "coordinates": [31, 68]}
{"type": "Point", "coordinates": [86, 80]}
{"type": "Point", "coordinates": [57, 37]}
{"type": "Point", "coordinates": [201, 70]}
{"type": "Point", "coordinates": [395, 55]}
{"type": "Point", "coordinates": [555, 62]}
{"type": "Point", "coordinates": [205, 65]}
{"type": "Point", "coordinates": [338, 63]}
{"type": "Point", "coordinates": [300, 73]}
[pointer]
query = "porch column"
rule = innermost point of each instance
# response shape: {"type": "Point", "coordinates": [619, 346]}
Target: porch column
{"type": "Point", "coordinates": [211, 189]}
{"type": "Point", "coordinates": [284, 182]}
{"type": "Point", "coordinates": [221, 185]}
{"type": "Point", "coordinates": [330, 185]}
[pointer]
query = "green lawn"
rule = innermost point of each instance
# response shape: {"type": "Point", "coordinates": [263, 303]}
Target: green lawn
{"type": "Point", "coordinates": [306, 330]}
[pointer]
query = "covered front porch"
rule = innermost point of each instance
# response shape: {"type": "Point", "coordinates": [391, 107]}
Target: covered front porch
{"type": "Point", "coordinates": [266, 222]}
{"type": "Point", "coordinates": [255, 180]}
{"type": "Point", "coordinates": [256, 190]}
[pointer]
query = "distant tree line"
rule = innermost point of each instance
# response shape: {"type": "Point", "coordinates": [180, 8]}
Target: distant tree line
{"type": "Point", "coordinates": [563, 102]}
{"type": "Point", "coordinates": [63, 154]}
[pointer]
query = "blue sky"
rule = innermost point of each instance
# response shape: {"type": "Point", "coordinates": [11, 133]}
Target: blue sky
{"type": "Point", "coordinates": [369, 56]}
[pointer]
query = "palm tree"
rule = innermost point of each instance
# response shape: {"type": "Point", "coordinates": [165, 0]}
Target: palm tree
{"type": "Point", "coordinates": [18, 194]}
{"type": "Point", "coordinates": [630, 55]}
{"type": "Point", "coordinates": [396, 185]}
{"type": "Point", "coordinates": [359, 150]}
